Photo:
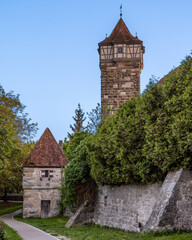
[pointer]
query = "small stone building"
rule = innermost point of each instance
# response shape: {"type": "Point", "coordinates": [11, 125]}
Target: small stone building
{"type": "Point", "coordinates": [42, 175]}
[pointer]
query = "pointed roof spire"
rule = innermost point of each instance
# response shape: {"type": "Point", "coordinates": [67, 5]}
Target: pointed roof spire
{"type": "Point", "coordinates": [120, 34]}
{"type": "Point", "coordinates": [121, 11]}
{"type": "Point", "coordinates": [46, 152]}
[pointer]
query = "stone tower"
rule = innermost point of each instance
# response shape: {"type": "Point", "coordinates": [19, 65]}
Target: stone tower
{"type": "Point", "coordinates": [121, 62]}
{"type": "Point", "coordinates": [42, 175]}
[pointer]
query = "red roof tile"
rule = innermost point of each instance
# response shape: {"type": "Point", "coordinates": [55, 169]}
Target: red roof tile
{"type": "Point", "coordinates": [46, 152]}
{"type": "Point", "coordinates": [162, 80]}
{"type": "Point", "coordinates": [120, 34]}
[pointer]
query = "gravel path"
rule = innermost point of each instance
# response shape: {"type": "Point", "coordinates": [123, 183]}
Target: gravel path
{"type": "Point", "coordinates": [27, 232]}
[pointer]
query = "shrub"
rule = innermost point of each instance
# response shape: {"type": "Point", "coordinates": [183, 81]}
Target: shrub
{"type": "Point", "coordinates": [1, 232]}
{"type": "Point", "coordinates": [148, 136]}
{"type": "Point", "coordinates": [77, 185]}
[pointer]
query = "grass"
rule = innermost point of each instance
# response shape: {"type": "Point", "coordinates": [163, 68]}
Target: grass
{"type": "Point", "coordinates": [10, 234]}
{"type": "Point", "coordinates": [56, 227]}
{"type": "Point", "coordinates": [9, 207]}
{"type": "Point", "coordinates": [5, 208]}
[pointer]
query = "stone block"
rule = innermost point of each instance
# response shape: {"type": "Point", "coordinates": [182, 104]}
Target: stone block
{"type": "Point", "coordinates": [127, 85]}
{"type": "Point", "coordinates": [126, 206]}
{"type": "Point", "coordinates": [172, 209]}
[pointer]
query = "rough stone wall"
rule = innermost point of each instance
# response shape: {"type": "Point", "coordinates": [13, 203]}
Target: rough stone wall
{"type": "Point", "coordinates": [126, 207]}
{"type": "Point", "coordinates": [36, 189]}
{"type": "Point", "coordinates": [173, 208]}
{"type": "Point", "coordinates": [83, 215]}
{"type": "Point", "coordinates": [116, 90]}
{"type": "Point", "coordinates": [142, 207]}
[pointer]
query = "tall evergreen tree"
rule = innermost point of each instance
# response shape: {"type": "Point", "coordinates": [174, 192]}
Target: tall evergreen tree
{"type": "Point", "coordinates": [79, 119]}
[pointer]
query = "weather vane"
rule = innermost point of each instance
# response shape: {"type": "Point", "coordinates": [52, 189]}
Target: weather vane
{"type": "Point", "coordinates": [121, 11]}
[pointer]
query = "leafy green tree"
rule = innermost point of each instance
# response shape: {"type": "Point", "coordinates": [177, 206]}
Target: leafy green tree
{"type": "Point", "coordinates": [75, 173]}
{"type": "Point", "coordinates": [5, 147]}
{"type": "Point", "coordinates": [15, 129]}
{"type": "Point", "coordinates": [168, 131]}
{"type": "Point", "coordinates": [14, 118]}
{"type": "Point", "coordinates": [79, 120]}
{"type": "Point", "coordinates": [148, 136]}
{"type": "Point", "coordinates": [70, 146]}
{"type": "Point", "coordinates": [11, 167]}
{"type": "Point", "coordinates": [78, 185]}
{"type": "Point", "coordinates": [114, 152]}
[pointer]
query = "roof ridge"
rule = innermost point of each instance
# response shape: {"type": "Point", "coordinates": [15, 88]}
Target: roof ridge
{"type": "Point", "coordinates": [46, 152]}
{"type": "Point", "coordinates": [120, 34]}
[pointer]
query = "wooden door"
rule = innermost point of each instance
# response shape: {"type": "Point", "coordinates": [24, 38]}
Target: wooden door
{"type": "Point", "coordinates": [45, 208]}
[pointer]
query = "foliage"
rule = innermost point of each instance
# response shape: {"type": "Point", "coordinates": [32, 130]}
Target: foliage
{"type": "Point", "coordinates": [152, 81]}
{"type": "Point", "coordinates": [14, 118]}
{"type": "Point", "coordinates": [94, 119]}
{"type": "Point", "coordinates": [7, 232]}
{"type": "Point", "coordinates": [114, 153]}
{"type": "Point", "coordinates": [11, 171]}
{"type": "Point", "coordinates": [9, 207]}
{"type": "Point", "coordinates": [95, 232]}
{"type": "Point", "coordinates": [77, 184]}
{"type": "Point", "coordinates": [79, 120]}
{"type": "Point", "coordinates": [1, 231]}
{"type": "Point", "coordinates": [7, 148]}
{"type": "Point", "coordinates": [15, 129]}
{"type": "Point", "coordinates": [148, 136]}
{"type": "Point", "coordinates": [75, 173]}
{"type": "Point", "coordinates": [10, 234]}
{"type": "Point", "coordinates": [70, 146]}
{"type": "Point", "coordinates": [168, 127]}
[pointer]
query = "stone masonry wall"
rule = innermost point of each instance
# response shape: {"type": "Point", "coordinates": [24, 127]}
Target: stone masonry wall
{"type": "Point", "coordinates": [126, 207]}
{"type": "Point", "coordinates": [116, 90]}
{"type": "Point", "coordinates": [32, 202]}
{"type": "Point", "coordinates": [143, 207]}
{"type": "Point", "coordinates": [173, 208]}
{"type": "Point", "coordinates": [36, 189]}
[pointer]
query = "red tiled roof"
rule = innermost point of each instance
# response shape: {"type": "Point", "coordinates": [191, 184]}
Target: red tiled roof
{"type": "Point", "coordinates": [120, 34]}
{"type": "Point", "coordinates": [162, 80]}
{"type": "Point", "coordinates": [46, 152]}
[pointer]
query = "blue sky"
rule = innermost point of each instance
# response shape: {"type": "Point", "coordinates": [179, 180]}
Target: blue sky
{"type": "Point", "coordinates": [48, 50]}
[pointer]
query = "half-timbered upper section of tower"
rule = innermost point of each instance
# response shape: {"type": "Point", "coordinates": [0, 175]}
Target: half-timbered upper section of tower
{"type": "Point", "coordinates": [121, 45]}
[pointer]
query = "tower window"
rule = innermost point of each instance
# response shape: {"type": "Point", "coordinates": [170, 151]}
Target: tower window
{"type": "Point", "coordinates": [118, 74]}
{"type": "Point", "coordinates": [119, 50]}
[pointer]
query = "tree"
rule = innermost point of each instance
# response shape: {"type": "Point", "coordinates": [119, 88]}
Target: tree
{"type": "Point", "coordinates": [77, 186]}
{"type": "Point", "coordinates": [15, 129]}
{"type": "Point", "coordinates": [94, 119]}
{"type": "Point", "coordinates": [70, 146]}
{"type": "Point", "coordinates": [148, 136]}
{"type": "Point", "coordinates": [168, 130]}
{"type": "Point", "coordinates": [79, 120]}
{"type": "Point", "coordinates": [14, 118]}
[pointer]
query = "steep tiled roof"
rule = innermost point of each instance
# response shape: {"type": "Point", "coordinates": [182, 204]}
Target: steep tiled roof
{"type": "Point", "coordinates": [46, 152]}
{"type": "Point", "coordinates": [120, 34]}
{"type": "Point", "coordinates": [161, 81]}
